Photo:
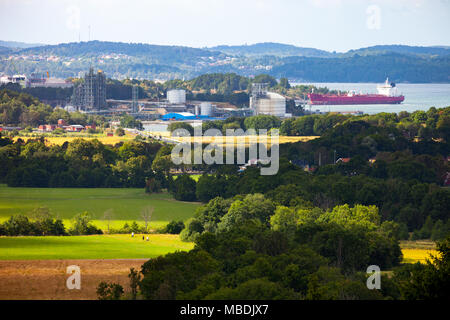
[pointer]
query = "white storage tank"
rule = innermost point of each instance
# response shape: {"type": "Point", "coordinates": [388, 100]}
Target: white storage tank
{"type": "Point", "coordinates": [177, 96]}
{"type": "Point", "coordinates": [272, 104]}
{"type": "Point", "coordinates": [206, 109]}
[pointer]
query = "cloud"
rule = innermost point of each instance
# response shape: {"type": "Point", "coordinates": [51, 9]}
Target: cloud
{"type": "Point", "coordinates": [326, 3]}
{"type": "Point", "coordinates": [388, 3]}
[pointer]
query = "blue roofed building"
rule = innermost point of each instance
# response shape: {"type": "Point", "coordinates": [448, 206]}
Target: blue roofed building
{"type": "Point", "coordinates": [180, 116]}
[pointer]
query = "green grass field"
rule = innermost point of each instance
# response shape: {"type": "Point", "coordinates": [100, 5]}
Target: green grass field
{"type": "Point", "coordinates": [193, 176]}
{"type": "Point", "coordinates": [90, 247]}
{"type": "Point", "coordinates": [65, 203]}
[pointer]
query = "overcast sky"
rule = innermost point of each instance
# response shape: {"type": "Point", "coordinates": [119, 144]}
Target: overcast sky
{"type": "Point", "coordinates": [334, 25]}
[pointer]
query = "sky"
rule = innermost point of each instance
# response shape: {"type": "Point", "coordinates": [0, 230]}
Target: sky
{"type": "Point", "coordinates": [333, 25]}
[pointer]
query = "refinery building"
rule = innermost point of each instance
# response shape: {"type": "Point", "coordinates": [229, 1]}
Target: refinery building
{"type": "Point", "coordinates": [265, 102]}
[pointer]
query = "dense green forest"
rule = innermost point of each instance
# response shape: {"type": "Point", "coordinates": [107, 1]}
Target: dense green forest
{"type": "Point", "coordinates": [262, 257]}
{"type": "Point", "coordinates": [252, 247]}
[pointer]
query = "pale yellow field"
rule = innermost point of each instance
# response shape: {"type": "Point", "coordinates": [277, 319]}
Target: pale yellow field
{"type": "Point", "coordinates": [247, 140]}
{"type": "Point", "coordinates": [159, 133]}
{"type": "Point", "coordinates": [417, 251]}
{"type": "Point", "coordinates": [417, 255]}
{"type": "Point", "coordinates": [60, 140]}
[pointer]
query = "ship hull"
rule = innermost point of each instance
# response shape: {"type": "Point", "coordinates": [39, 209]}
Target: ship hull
{"type": "Point", "coordinates": [324, 99]}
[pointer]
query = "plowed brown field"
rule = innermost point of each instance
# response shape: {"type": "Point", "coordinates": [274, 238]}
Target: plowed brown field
{"type": "Point", "coordinates": [46, 279]}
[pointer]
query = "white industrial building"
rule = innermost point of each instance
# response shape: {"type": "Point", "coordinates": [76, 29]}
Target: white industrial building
{"type": "Point", "coordinates": [269, 103]}
{"type": "Point", "coordinates": [50, 83]}
{"type": "Point", "coordinates": [177, 96]}
{"type": "Point", "coordinates": [18, 78]}
{"type": "Point", "coordinates": [206, 109]}
{"type": "Point", "coordinates": [26, 82]}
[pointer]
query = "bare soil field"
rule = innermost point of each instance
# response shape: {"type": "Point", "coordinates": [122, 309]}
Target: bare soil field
{"type": "Point", "coordinates": [46, 279]}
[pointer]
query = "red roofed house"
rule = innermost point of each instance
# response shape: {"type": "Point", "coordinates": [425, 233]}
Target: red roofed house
{"type": "Point", "coordinates": [344, 160]}
{"type": "Point", "coordinates": [74, 128]}
{"type": "Point", "coordinates": [47, 127]}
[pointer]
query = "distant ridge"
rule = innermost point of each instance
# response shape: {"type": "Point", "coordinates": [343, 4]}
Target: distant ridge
{"type": "Point", "coordinates": [18, 45]}
{"type": "Point", "coordinates": [5, 50]}
{"type": "Point", "coordinates": [97, 47]}
{"type": "Point", "coordinates": [402, 49]}
{"type": "Point", "coordinates": [120, 60]}
{"type": "Point", "coordinates": [272, 48]}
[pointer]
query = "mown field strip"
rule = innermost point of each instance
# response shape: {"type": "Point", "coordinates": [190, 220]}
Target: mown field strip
{"type": "Point", "coordinates": [90, 247]}
{"type": "Point", "coordinates": [65, 203]}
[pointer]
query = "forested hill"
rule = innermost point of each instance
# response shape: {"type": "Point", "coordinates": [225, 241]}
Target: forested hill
{"type": "Point", "coordinates": [273, 49]}
{"type": "Point", "coordinates": [144, 61]}
{"type": "Point", "coordinates": [164, 54]}
{"type": "Point", "coordinates": [286, 50]}
{"type": "Point", "coordinates": [18, 45]}
{"type": "Point", "coordinates": [373, 68]}
{"type": "Point", "coordinates": [411, 50]}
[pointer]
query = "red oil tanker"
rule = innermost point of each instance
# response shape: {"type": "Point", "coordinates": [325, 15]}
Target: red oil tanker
{"type": "Point", "coordinates": [387, 94]}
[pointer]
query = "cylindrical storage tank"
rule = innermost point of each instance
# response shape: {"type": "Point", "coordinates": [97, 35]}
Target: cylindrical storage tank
{"type": "Point", "coordinates": [206, 109]}
{"type": "Point", "coordinates": [274, 104]}
{"type": "Point", "coordinates": [177, 96]}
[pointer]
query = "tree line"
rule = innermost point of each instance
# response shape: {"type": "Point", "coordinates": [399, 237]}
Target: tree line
{"type": "Point", "coordinates": [250, 247]}
{"type": "Point", "coordinates": [40, 222]}
{"type": "Point", "coordinates": [20, 108]}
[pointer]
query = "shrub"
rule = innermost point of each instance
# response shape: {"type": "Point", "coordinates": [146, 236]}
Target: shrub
{"type": "Point", "coordinates": [20, 225]}
{"type": "Point", "coordinates": [192, 230]}
{"type": "Point", "coordinates": [184, 188]}
{"type": "Point", "coordinates": [109, 291]}
{"type": "Point", "coordinates": [174, 227]}
{"type": "Point", "coordinates": [152, 186]}
{"type": "Point", "coordinates": [82, 225]}
{"type": "Point", "coordinates": [120, 132]}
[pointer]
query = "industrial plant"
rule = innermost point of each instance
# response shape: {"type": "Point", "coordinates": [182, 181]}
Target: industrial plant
{"type": "Point", "coordinates": [91, 94]}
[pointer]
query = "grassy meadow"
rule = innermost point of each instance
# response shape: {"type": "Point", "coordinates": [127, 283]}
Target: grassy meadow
{"type": "Point", "coordinates": [90, 247]}
{"type": "Point", "coordinates": [65, 203]}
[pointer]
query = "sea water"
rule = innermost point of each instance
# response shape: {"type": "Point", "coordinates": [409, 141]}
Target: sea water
{"type": "Point", "coordinates": [417, 97]}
